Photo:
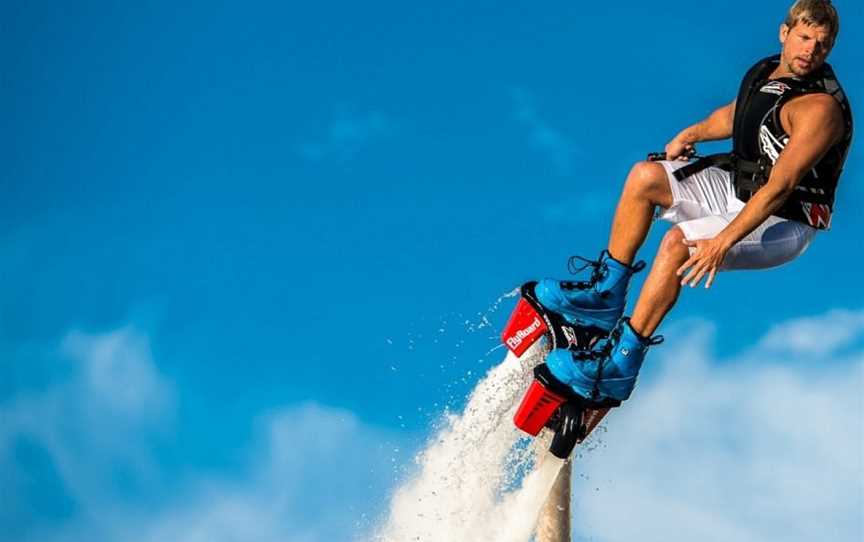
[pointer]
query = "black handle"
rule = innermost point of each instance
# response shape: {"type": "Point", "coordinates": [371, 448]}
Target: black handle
{"type": "Point", "coordinates": [657, 156]}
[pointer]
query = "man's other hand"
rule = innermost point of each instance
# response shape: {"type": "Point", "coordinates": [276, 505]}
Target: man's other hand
{"type": "Point", "coordinates": [706, 259]}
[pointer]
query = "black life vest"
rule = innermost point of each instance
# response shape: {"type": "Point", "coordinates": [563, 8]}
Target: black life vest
{"type": "Point", "coordinates": [758, 137]}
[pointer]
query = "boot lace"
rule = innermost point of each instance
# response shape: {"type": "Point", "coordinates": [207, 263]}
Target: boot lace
{"type": "Point", "coordinates": [598, 269]}
{"type": "Point", "coordinates": [601, 352]}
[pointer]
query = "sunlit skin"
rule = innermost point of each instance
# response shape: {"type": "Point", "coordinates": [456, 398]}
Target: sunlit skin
{"type": "Point", "coordinates": [814, 123]}
{"type": "Point", "coordinates": [805, 48]}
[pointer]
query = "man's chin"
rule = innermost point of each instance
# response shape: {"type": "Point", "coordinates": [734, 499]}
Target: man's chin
{"type": "Point", "coordinates": [799, 71]}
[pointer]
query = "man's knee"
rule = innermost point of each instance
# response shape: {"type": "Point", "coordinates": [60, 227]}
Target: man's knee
{"type": "Point", "coordinates": [648, 180]}
{"type": "Point", "coordinates": [672, 247]}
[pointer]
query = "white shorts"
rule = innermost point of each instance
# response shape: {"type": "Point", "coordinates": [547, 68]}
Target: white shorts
{"type": "Point", "coordinates": [705, 203]}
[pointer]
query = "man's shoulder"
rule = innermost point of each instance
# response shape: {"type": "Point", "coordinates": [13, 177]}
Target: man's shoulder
{"type": "Point", "coordinates": [814, 110]}
{"type": "Point", "coordinates": [818, 103]}
{"type": "Point", "coordinates": [821, 91]}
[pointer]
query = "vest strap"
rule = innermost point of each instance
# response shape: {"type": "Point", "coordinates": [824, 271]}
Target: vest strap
{"type": "Point", "coordinates": [749, 176]}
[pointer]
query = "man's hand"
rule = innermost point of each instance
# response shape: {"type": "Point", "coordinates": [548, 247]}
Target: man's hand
{"type": "Point", "coordinates": [707, 258]}
{"type": "Point", "coordinates": [717, 126]}
{"type": "Point", "coordinates": [679, 149]}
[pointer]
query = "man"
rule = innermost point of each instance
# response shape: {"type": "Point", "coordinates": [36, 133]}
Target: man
{"type": "Point", "coordinates": [757, 207]}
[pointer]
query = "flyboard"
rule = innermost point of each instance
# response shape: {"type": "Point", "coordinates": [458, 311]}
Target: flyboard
{"type": "Point", "coordinates": [548, 403]}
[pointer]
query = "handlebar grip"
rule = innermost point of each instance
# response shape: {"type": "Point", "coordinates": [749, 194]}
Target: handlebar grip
{"type": "Point", "coordinates": [657, 156]}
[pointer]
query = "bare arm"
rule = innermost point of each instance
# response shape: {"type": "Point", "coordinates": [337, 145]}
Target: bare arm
{"type": "Point", "coordinates": [718, 125]}
{"type": "Point", "coordinates": [814, 124]}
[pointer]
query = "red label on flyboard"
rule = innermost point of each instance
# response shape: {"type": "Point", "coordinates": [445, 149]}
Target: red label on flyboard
{"type": "Point", "coordinates": [523, 329]}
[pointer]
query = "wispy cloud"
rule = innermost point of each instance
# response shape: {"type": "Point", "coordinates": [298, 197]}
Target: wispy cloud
{"type": "Point", "coordinates": [116, 371]}
{"type": "Point", "coordinates": [766, 446]}
{"type": "Point", "coordinates": [347, 135]}
{"type": "Point", "coordinates": [816, 335]}
{"type": "Point", "coordinates": [301, 486]}
{"type": "Point", "coordinates": [586, 204]}
{"type": "Point", "coordinates": [97, 428]}
{"type": "Point", "coordinates": [93, 426]}
{"type": "Point", "coordinates": [557, 147]}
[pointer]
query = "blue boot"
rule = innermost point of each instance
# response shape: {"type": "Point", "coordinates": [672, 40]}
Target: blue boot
{"type": "Point", "coordinates": [599, 301]}
{"type": "Point", "coordinates": [609, 370]}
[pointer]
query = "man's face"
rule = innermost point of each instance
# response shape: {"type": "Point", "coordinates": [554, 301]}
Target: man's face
{"type": "Point", "coordinates": [805, 47]}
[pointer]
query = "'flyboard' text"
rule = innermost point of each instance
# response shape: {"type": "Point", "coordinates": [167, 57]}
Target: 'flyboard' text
{"type": "Point", "coordinates": [522, 334]}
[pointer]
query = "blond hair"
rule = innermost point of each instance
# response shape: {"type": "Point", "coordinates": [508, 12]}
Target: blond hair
{"type": "Point", "coordinates": [814, 13]}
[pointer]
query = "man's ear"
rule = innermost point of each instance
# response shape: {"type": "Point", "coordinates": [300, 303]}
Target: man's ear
{"type": "Point", "coordinates": [784, 32]}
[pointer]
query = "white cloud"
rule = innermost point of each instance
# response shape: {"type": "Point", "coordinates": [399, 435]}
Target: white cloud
{"type": "Point", "coordinates": [299, 486]}
{"type": "Point", "coordinates": [822, 335]}
{"type": "Point", "coordinates": [347, 135]}
{"type": "Point", "coordinates": [761, 447]}
{"type": "Point", "coordinates": [307, 467]}
{"type": "Point", "coordinates": [118, 373]}
{"type": "Point", "coordinates": [769, 445]}
{"type": "Point", "coordinates": [92, 424]}
{"type": "Point", "coordinates": [559, 149]}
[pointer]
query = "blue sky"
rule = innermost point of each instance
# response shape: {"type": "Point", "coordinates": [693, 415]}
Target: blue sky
{"type": "Point", "coordinates": [229, 231]}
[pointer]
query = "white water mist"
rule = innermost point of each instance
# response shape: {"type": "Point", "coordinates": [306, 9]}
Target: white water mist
{"type": "Point", "coordinates": [479, 477]}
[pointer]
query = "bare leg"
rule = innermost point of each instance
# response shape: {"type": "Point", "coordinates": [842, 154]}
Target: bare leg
{"type": "Point", "coordinates": [662, 286]}
{"type": "Point", "coordinates": [646, 187]}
